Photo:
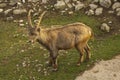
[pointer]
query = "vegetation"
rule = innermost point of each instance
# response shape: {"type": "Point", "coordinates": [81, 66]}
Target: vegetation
{"type": "Point", "coordinates": [20, 60]}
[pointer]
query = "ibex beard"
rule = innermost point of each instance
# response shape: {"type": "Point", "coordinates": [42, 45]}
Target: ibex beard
{"type": "Point", "coordinates": [75, 35]}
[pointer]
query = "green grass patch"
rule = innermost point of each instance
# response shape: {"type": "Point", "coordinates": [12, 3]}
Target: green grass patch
{"type": "Point", "coordinates": [20, 60]}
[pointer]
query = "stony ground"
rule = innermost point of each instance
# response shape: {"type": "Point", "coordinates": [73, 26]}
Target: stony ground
{"type": "Point", "coordinates": [103, 70]}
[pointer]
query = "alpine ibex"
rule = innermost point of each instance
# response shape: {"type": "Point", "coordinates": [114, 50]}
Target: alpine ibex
{"type": "Point", "coordinates": [61, 38]}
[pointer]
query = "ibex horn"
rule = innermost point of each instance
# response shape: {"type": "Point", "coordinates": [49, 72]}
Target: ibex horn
{"type": "Point", "coordinates": [40, 18]}
{"type": "Point", "coordinates": [29, 18]}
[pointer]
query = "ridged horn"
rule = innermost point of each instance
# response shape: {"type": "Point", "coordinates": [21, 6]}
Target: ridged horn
{"type": "Point", "coordinates": [29, 19]}
{"type": "Point", "coordinates": [40, 18]}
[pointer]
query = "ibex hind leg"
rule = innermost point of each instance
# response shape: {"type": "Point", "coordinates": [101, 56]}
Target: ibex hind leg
{"type": "Point", "coordinates": [87, 50]}
{"type": "Point", "coordinates": [81, 53]}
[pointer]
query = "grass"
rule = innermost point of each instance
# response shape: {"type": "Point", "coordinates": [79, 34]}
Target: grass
{"type": "Point", "coordinates": [20, 60]}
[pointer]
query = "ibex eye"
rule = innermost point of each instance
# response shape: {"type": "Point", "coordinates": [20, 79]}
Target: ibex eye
{"type": "Point", "coordinates": [38, 29]}
{"type": "Point", "coordinates": [31, 33]}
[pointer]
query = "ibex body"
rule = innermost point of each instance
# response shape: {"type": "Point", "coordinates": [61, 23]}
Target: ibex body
{"type": "Point", "coordinates": [69, 36]}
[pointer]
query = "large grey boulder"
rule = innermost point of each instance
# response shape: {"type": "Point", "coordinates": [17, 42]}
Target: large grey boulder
{"type": "Point", "coordinates": [99, 11]}
{"type": "Point", "coordinates": [116, 5]}
{"type": "Point", "coordinates": [105, 3]}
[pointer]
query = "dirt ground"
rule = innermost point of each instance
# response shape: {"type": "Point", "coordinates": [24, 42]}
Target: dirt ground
{"type": "Point", "coordinates": [103, 70]}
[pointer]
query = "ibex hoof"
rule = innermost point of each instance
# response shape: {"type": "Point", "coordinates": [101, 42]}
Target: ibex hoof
{"type": "Point", "coordinates": [48, 65]}
{"type": "Point", "coordinates": [78, 64]}
{"type": "Point", "coordinates": [87, 59]}
{"type": "Point", "coordinates": [54, 69]}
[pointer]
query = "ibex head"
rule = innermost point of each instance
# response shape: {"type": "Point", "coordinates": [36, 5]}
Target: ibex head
{"type": "Point", "coordinates": [34, 30]}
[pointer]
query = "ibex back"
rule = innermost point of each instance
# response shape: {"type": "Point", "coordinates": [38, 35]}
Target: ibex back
{"type": "Point", "coordinates": [75, 35]}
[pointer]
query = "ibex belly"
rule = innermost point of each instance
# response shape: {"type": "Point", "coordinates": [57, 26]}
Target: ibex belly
{"type": "Point", "coordinates": [65, 41]}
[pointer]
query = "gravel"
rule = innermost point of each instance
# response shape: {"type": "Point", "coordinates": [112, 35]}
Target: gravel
{"type": "Point", "coordinates": [103, 70]}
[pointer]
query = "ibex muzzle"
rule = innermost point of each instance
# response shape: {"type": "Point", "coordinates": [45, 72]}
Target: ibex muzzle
{"type": "Point", "coordinates": [75, 35]}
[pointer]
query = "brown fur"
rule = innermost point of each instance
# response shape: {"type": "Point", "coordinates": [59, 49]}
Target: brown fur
{"type": "Point", "coordinates": [62, 38]}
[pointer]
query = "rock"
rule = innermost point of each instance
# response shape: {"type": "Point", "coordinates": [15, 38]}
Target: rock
{"type": "Point", "coordinates": [44, 1]}
{"type": "Point", "coordinates": [21, 21]}
{"type": "Point", "coordinates": [2, 5]}
{"type": "Point", "coordinates": [95, 1]}
{"type": "Point", "coordinates": [1, 10]}
{"type": "Point", "coordinates": [93, 6]}
{"type": "Point", "coordinates": [6, 12]}
{"type": "Point", "coordinates": [105, 27]}
{"type": "Point", "coordinates": [110, 12]}
{"type": "Point", "coordinates": [21, 25]}
{"type": "Point", "coordinates": [105, 3]}
{"type": "Point", "coordinates": [90, 12]}
{"type": "Point", "coordinates": [98, 11]}
{"type": "Point", "coordinates": [15, 21]}
{"type": "Point", "coordinates": [79, 6]}
{"type": "Point", "coordinates": [110, 22]}
{"type": "Point", "coordinates": [63, 12]}
{"type": "Point", "coordinates": [114, 0]}
{"type": "Point", "coordinates": [9, 18]}
{"type": "Point", "coordinates": [116, 5]}
{"type": "Point", "coordinates": [35, 0]}
{"type": "Point", "coordinates": [12, 3]}
{"type": "Point", "coordinates": [19, 11]}
{"type": "Point", "coordinates": [59, 5]}
{"type": "Point", "coordinates": [118, 9]}
{"type": "Point", "coordinates": [118, 13]}
{"type": "Point", "coordinates": [70, 12]}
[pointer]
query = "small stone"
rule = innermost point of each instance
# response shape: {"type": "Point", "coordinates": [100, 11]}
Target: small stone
{"type": "Point", "coordinates": [70, 12]}
{"type": "Point", "coordinates": [24, 64]}
{"type": "Point", "coordinates": [19, 11]}
{"type": "Point", "coordinates": [105, 27]}
{"type": "Point", "coordinates": [118, 13]}
{"type": "Point", "coordinates": [118, 9]}
{"type": "Point", "coordinates": [79, 6]}
{"type": "Point", "coordinates": [90, 12]}
{"type": "Point", "coordinates": [93, 6]}
{"type": "Point", "coordinates": [98, 11]}
{"type": "Point", "coordinates": [1, 10]}
{"type": "Point", "coordinates": [6, 12]}
{"type": "Point", "coordinates": [15, 21]}
{"type": "Point", "coordinates": [21, 25]}
{"type": "Point", "coordinates": [22, 50]}
{"type": "Point", "coordinates": [95, 1]}
{"type": "Point", "coordinates": [110, 12]}
{"type": "Point", "coordinates": [9, 18]}
{"type": "Point", "coordinates": [21, 21]}
{"type": "Point", "coordinates": [110, 22]}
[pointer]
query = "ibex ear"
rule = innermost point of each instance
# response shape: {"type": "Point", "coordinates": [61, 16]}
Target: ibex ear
{"type": "Point", "coordinates": [38, 29]}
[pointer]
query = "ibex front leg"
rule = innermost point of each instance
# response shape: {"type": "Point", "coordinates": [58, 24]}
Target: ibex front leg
{"type": "Point", "coordinates": [53, 59]}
